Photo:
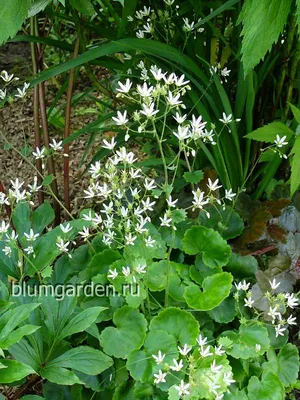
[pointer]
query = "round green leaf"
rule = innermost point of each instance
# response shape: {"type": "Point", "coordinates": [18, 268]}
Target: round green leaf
{"type": "Point", "coordinates": [129, 334]}
{"type": "Point", "coordinates": [242, 266]}
{"type": "Point", "coordinates": [215, 289]}
{"type": "Point", "coordinates": [214, 249]}
{"type": "Point", "coordinates": [244, 342]}
{"type": "Point", "coordinates": [268, 388]}
{"type": "Point", "coordinates": [179, 323]}
{"type": "Point", "coordinates": [225, 312]}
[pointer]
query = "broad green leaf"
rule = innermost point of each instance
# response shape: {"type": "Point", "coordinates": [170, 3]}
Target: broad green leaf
{"type": "Point", "coordinates": [14, 371]}
{"type": "Point", "coordinates": [85, 7]}
{"type": "Point", "coordinates": [129, 334]}
{"type": "Point", "coordinates": [295, 111]}
{"type": "Point", "coordinates": [59, 375]}
{"type": "Point", "coordinates": [236, 395]}
{"type": "Point", "coordinates": [179, 323]}
{"type": "Point", "coordinates": [214, 249]}
{"type": "Point", "coordinates": [295, 176]}
{"type": "Point", "coordinates": [38, 6]}
{"type": "Point", "coordinates": [269, 132]}
{"type": "Point", "coordinates": [21, 218]}
{"type": "Point", "coordinates": [101, 262]}
{"type": "Point", "coordinates": [81, 322]}
{"type": "Point", "coordinates": [226, 221]}
{"type": "Point", "coordinates": [193, 177]}
{"type": "Point", "coordinates": [12, 15]}
{"type": "Point", "coordinates": [242, 266]}
{"type": "Point", "coordinates": [268, 388]}
{"type": "Point", "coordinates": [245, 340]}
{"type": "Point", "coordinates": [215, 289]}
{"type": "Point", "coordinates": [263, 22]}
{"type": "Point", "coordinates": [225, 312]}
{"type": "Point", "coordinates": [42, 217]}
{"type": "Point", "coordinates": [17, 335]}
{"type": "Point", "coordinates": [84, 359]}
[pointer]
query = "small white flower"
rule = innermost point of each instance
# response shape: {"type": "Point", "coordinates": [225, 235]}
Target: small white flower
{"type": "Point", "coordinates": [229, 195]}
{"type": "Point", "coordinates": [149, 111]}
{"type": "Point", "coordinates": [180, 118]}
{"type": "Point", "coordinates": [177, 366]}
{"type": "Point", "coordinates": [6, 77]}
{"type": "Point", "coordinates": [31, 236]}
{"type": "Point", "coordinates": [140, 34]}
{"type": "Point", "coordinates": [274, 284]}
{"type": "Point", "coordinates": [242, 285]}
{"type": "Point", "coordinates": [257, 347]}
{"type": "Point", "coordinates": [148, 206]}
{"type": "Point", "coordinates": [214, 387]}
{"type": "Point", "coordinates": [218, 350]}
{"type": "Point", "coordinates": [29, 250]}
{"type": "Point", "coordinates": [215, 368]}
{"type": "Point", "coordinates": [4, 227]}
{"type": "Point", "coordinates": [121, 119]}
{"type": "Point", "coordinates": [130, 239]}
{"type": "Point", "coordinates": [84, 233]}
{"type": "Point", "coordinates": [183, 133]}
{"type": "Point", "coordinates": [213, 185]}
{"type": "Point", "coordinates": [12, 237]}
{"type": "Point", "coordinates": [124, 88]}
{"type": "Point", "coordinates": [185, 350]}
{"type": "Point", "coordinates": [182, 388]}
{"type": "Point", "coordinates": [149, 185]}
{"type": "Point", "coordinates": [148, 28]}
{"type": "Point", "coordinates": [109, 145]}
{"type": "Point", "coordinates": [165, 221]}
{"type": "Point", "coordinates": [112, 274]}
{"type": "Point", "coordinates": [205, 351]}
{"type": "Point", "coordinates": [145, 91]}
{"type": "Point", "coordinates": [227, 378]}
{"type": "Point", "coordinates": [39, 153]}
{"type": "Point", "coordinates": [201, 341]}
{"type": "Point", "coordinates": [279, 331]}
{"type": "Point", "coordinates": [273, 313]}
{"type": "Point", "coordinates": [171, 203]}
{"type": "Point", "coordinates": [149, 242]}
{"type": "Point", "coordinates": [65, 228]}
{"type": "Point", "coordinates": [126, 271]}
{"type": "Point", "coordinates": [249, 302]}
{"type": "Point", "coordinates": [56, 146]}
{"type": "Point", "coordinates": [173, 100]}
{"type": "Point", "coordinates": [141, 269]}
{"type": "Point", "coordinates": [63, 246]}
{"type": "Point", "coordinates": [160, 377]}
{"type": "Point", "coordinates": [7, 251]}
{"type": "Point", "coordinates": [291, 300]}
{"type": "Point", "coordinates": [22, 92]}
{"type": "Point", "coordinates": [156, 72]}
{"type": "Point", "coordinates": [226, 118]}
{"type": "Point", "coordinates": [180, 81]}
{"type": "Point", "coordinates": [188, 26]}
{"type": "Point", "coordinates": [291, 320]}
{"type": "Point", "coordinates": [225, 72]}
{"type": "Point", "coordinates": [159, 358]}
{"type": "Point", "coordinates": [199, 200]}
{"type": "Point", "coordinates": [280, 141]}
{"type": "Point", "coordinates": [2, 94]}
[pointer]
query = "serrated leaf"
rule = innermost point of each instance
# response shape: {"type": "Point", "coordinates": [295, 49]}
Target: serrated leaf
{"type": "Point", "coordinates": [268, 132]}
{"type": "Point", "coordinates": [213, 248]}
{"type": "Point", "coordinates": [295, 110]}
{"type": "Point", "coordinates": [12, 15]}
{"type": "Point", "coordinates": [215, 289]}
{"type": "Point", "coordinates": [263, 21]}
{"type": "Point", "coordinates": [268, 388]}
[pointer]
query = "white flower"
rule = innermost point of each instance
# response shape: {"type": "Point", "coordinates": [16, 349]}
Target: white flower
{"type": "Point", "coordinates": [291, 320]}
{"type": "Point", "coordinates": [149, 111]}
{"type": "Point", "coordinates": [218, 350]}
{"type": "Point", "coordinates": [280, 141]}
{"type": "Point", "coordinates": [12, 237]}
{"type": "Point", "coordinates": [130, 239]}
{"type": "Point", "coordinates": [274, 284]}
{"type": "Point", "coordinates": [213, 388]}
{"type": "Point", "coordinates": [213, 185]}
{"type": "Point", "coordinates": [148, 28]}
{"type": "Point", "coordinates": [140, 269]}
{"type": "Point", "coordinates": [171, 203]}
{"type": "Point", "coordinates": [22, 92]}
{"type": "Point", "coordinates": [215, 368]}
{"type": "Point", "coordinates": [84, 233]}
{"type": "Point", "coordinates": [165, 221]}
{"type": "Point", "coordinates": [188, 26]}
{"type": "Point", "coordinates": [63, 246]}
{"type": "Point", "coordinates": [121, 119]}
{"type": "Point", "coordinates": [4, 227]}
{"type": "Point", "coordinates": [205, 351]}
{"type": "Point", "coordinates": [3, 199]}
{"type": "Point", "coordinates": [257, 347]}
{"type": "Point", "coordinates": [242, 285]}
{"type": "Point", "coordinates": [169, 2]}
{"type": "Point", "coordinates": [291, 300]}
{"type": "Point", "coordinates": [6, 77]}
{"type": "Point", "coordinates": [149, 242]}
{"type": "Point", "coordinates": [56, 146]}
{"type": "Point", "coordinates": [201, 341]}
{"type": "Point", "coordinates": [177, 366]}
{"type": "Point", "coordinates": [226, 118]}
{"type": "Point", "coordinates": [173, 100]}
{"type": "Point", "coordinates": [148, 206]}
{"type": "Point", "coordinates": [39, 154]}
{"type": "Point", "coordinates": [140, 34]}
{"type": "Point", "coordinates": [229, 195]}
{"type": "Point", "coordinates": [227, 378]}
{"type": "Point", "coordinates": [180, 81]}
{"type": "Point", "coordinates": [199, 200]}
{"type": "Point", "coordinates": [159, 358]}
{"type": "Point", "coordinates": [29, 250]}
{"type": "Point", "coordinates": [279, 331]}
{"type": "Point", "coordinates": [185, 350]}
{"type": "Point", "coordinates": [7, 251]}
{"type": "Point", "coordinates": [2, 94]}
{"type": "Point", "coordinates": [156, 72]}
{"type": "Point", "coordinates": [65, 228]}
{"type": "Point", "coordinates": [249, 302]}
{"type": "Point", "coordinates": [160, 377]}
{"type": "Point", "coordinates": [126, 271]}
{"type": "Point", "coordinates": [144, 91]}
{"type": "Point", "coordinates": [112, 274]}
{"type": "Point", "coordinates": [225, 72]}
{"type": "Point", "coordinates": [124, 88]}
{"type": "Point", "coordinates": [31, 236]}
{"type": "Point", "coordinates": [149, 185]}
{"type": "Point", "coordinates": [109, 145]}
{"type": "Point", "coordinates": [180, 118]}
{"type": "Point", "coordinates": [183, 133]}
{"type": "Point", "coordinates": [182, 389]}
{"type": "Point", "coordinates": [34, 187]}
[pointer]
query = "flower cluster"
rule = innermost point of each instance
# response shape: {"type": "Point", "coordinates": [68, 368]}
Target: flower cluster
{"type": "Point", "coordinates": [216, 379]}
{"type": "Point", "coordinates": [278, 305]}
{"type": "Point", "coordinates": [8, 79]}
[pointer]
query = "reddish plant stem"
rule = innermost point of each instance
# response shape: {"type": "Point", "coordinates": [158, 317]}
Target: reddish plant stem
{"type": "Point", "coordinates": [263, 251]}
{"type": "Point", "coordinates": [67, 134]}
{"type": "Point", "coordinates": [33, 380]}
